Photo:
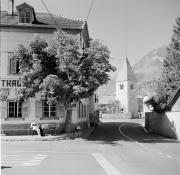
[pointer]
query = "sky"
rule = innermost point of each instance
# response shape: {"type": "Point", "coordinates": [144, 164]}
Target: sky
{"type": "Point", "coordinates": [127, 27]}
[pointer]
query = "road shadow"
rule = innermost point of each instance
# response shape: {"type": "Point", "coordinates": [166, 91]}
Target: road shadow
{"type": "Point", "coordinates": [107, 133]}
{"type": "Point", "coordinates": [137, 132]}
{"type": "Point", "coordinates": [113, 132]}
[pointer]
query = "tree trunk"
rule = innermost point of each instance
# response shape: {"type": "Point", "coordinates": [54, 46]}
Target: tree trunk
{"type": "Point", "coordinates": [68, 120]}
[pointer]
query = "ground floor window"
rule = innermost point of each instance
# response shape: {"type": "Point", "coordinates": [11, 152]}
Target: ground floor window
{"type": "Point", "coordinates": [14, 109]}
{"type": "Point", "coordinates": [49, 110]}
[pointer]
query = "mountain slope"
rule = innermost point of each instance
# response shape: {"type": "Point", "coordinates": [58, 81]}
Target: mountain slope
{"type": "Point", "coordinates": [149, 66]}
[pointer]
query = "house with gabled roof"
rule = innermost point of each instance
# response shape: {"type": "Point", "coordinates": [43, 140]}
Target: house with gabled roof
{"type": "Point", "coordinates": [18, 27]}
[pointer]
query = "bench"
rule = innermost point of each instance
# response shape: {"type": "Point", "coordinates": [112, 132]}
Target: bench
{"type": "Point", "coordinates": [27, 130]}
{"type": "Point", "coordinates": [49, 127]}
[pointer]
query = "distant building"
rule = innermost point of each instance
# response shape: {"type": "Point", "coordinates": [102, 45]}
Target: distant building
{"type": "Point", "coordinates": [18, 28]}
{"type": "Point", "coordinates": [107, 99]}
{"type": "Point", "coordinates": [126, 93]}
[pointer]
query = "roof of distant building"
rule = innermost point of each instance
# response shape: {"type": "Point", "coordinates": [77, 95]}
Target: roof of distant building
{"type": "Point", "coordinates": [107, 99]}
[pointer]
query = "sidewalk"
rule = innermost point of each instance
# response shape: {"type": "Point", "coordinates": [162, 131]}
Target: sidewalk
{"type": "Point", "coordinates": [65, 136]}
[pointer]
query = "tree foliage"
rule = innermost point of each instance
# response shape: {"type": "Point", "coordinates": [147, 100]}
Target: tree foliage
{"type": "Point", "coordinates": [59, 71]}
{"type": "Point", "coordinates": [170, 80]}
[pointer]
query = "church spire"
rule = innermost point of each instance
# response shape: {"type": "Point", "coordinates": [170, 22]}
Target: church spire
{"type": "Point", "coordinates": [126, 73]}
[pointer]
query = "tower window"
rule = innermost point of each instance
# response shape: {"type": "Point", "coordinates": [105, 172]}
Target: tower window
{"type": "Point", "coordinates": [121, 86]}
{"type": "Point", "coordinates": [132, 86]}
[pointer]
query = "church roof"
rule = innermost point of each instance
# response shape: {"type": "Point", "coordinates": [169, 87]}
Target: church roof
{"type": "Point", "coordinates": [126, 73]}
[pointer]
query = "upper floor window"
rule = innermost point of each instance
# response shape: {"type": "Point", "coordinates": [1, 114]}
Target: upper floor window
{"type": "Point", "coordinates": [14, 64]}
{"type": "Point", "coordinates": [25, 16]}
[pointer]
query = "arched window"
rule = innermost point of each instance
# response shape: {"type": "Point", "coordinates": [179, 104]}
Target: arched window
{"type": "Point", "coordinates": [25, 17]}
{"type": "Point", "coordinates": [22, 17]}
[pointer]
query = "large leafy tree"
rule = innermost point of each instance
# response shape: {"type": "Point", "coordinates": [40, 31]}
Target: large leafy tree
{"type": "Point", "coordinates": [170, 80]}
{"type": "Point", "coordinates": [58, 69]}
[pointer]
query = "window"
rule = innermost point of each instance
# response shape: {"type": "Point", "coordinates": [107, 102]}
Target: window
{"type": "Point", "coordinates": [24, 16]}
{"type": "Point", "coordinates": [121, 86]}
{"type": "Point", "coordinates": [85, 111]}
{"type": "Point", "coordinates": [14, 109]}
{"type": "Point", "coordinates": [14, 64]}
{"type": "Point", "coordinates": [28, 17]}
{"type": "Point", "coordinates": [80, 110]}
{"type": "Point", "coordinates": [49, 110]}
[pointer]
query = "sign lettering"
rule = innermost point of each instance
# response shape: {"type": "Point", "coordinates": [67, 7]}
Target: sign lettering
{"type": "Point", "coordinates": [10, 83]}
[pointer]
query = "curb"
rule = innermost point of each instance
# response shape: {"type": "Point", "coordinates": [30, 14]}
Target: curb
{"type": "Point", "coordinates": [145, 130]}
{"type": "Point", "coordinates": [70, 136]}
{"type": "Point", "coordinates": [52, 138]}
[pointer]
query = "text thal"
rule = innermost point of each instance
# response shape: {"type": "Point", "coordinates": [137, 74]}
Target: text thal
{"type": "Point", "coordinates": [10, 83]}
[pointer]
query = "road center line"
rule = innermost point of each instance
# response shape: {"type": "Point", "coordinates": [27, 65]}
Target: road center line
{"type": "Point", "coordinates": [105, 164]}
{"type": "Point", "coordinates": [129, 138]}
{"type": "Point", "coordinates": [140, 144]}
{"type": "Point", "coordinates": [168, 156]}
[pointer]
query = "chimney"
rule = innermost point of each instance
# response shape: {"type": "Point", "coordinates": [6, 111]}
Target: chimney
{"type": "Point", "coordinates": [10, 7]}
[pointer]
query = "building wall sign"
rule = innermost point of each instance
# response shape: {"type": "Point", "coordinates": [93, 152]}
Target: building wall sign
{"type": "Point", "coordinates": [10, 83]}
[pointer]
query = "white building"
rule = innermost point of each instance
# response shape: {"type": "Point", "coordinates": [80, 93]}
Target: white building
{"type": "Point", "coordinates": [18, 28]}
{"type": "Point", "coordinates": [126, 90]}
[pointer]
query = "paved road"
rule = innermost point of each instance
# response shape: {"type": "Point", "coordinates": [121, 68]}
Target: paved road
{"type": "Point", "coordinates": [116, 147]}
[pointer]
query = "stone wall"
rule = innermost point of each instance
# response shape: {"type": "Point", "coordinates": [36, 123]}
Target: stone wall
{"type": "Point", "coordinates": [166, 124]}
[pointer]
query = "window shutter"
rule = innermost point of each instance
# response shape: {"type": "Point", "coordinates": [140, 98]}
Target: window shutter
{"type": "Point", "coordinates": [84, 111]}
{"type": "Point", "coordinates": [38, 109]}
{"type": "Point", "coordinates": [58, 110]}
{"type": "Point", "coordinates": [13, 66]}
{"type": "Point", "coordinates": [80, 110]}
{"type": "Point", "coordinates": [85, 115]}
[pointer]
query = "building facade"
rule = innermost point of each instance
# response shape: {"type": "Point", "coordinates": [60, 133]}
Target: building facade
{"type": "Point", "coordinates": [18, 28]}
{"type": "Point", "coordinates": [126, 93]}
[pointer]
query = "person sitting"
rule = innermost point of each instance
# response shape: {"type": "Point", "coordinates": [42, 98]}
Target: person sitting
{"type": "Point", "coordinates": [36, 128]}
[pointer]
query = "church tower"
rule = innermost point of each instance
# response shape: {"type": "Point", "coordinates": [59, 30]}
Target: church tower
{"type": "Point", "coordinates": [126, 92]}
